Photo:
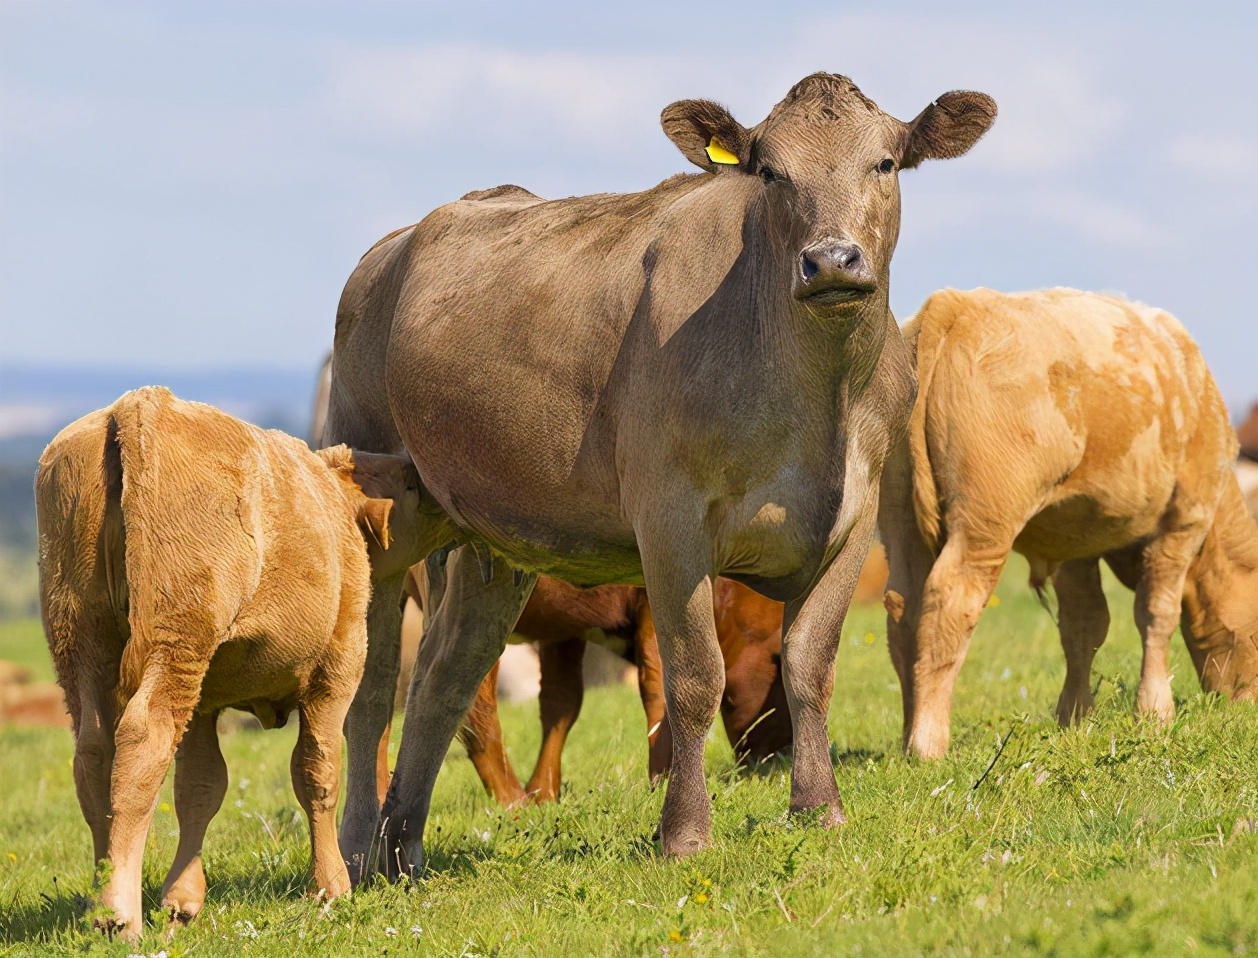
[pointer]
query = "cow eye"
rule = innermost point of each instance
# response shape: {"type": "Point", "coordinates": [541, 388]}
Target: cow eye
{"type": "Point", "coordinates": [768, 175]}
{"type": "Point", "coordinates": [887, 166]}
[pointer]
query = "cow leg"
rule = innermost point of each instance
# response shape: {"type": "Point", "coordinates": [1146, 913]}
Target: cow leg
{"type": "Point", "coordinates": [144, 741]}
{"type": "Point", "coordinates": [368, 722]}
{"type": "Point", "coordinates": [811, 629]}
{"type": "Point", "coordinates": [200, 784]}
{"type": "Point", "coordinates": [1083, 621]}
{"type": "Point", "coordinates": [316, 774]}
{"type": "Point", "coordinates": [694, 677]}
{"type": "Point", "coordinates": [957, 588]}
{"type": "Point", "coordinates": [93, 757]}
{"type": "Point", "coordinates": [651, 690]}
{"type": "Point", "coordinates": [909, 560]}
{"type": "Point", "coordinates": [1159, 596]}
{"type": "Point", "coordinates": [563, 688]}
{"type": "Point", "coordinates": [481, 735]}
{"type": "Point", "coordinates": [465, 635]}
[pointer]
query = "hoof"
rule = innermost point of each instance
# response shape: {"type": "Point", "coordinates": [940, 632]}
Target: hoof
{"type": "Point", "coordinates": [113, 927]}
{"type": "Point", "coordinates": [928, 740]}
{"type": "Point", "coordinates": [1156, 703]}
{"type": "Point", "coordinates": [181, 913]}
{"type": "Point", "coordinates": [826, 815]}
{"type": "Point", "coordinates": [678, 839]}
{"type": "Point", "coordinates": [682, 845]}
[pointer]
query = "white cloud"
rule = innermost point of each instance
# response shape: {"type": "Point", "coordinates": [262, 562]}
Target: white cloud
{"type": "Point", "coordinates": [1217, 157]}
{"type": "Point", "coordinates": [1051, 116]}
{"type": "Point", "coordinates": [427, 88]}
{"type": "Point", "coordinates": [1099, 220]}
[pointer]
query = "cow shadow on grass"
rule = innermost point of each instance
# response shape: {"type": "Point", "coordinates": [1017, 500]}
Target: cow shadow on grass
{"type": "Point", "coordinates": [40, 920]}
{"type": "Point", "coordinates": [780, 763]}
{"type": "Point", "coordinates": [66, 911]}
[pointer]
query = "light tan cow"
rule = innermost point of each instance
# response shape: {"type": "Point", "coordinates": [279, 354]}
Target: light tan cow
{"type": "Point", "coordinates": [190, 562]}
{"type": "Point", "coordinates": [1071, 428]}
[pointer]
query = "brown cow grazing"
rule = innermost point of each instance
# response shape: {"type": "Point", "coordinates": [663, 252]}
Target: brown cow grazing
{"type": "Point", "coordinates": [190, 562]}
{"type": "Point", "coordinates": [560, 618]}
{"type": "Point", "coordinates": [1247, 464]}
{"type": "Point", "coordinates": [1071, 428]}
{"type": "Point", "coordinates": [656, 388]}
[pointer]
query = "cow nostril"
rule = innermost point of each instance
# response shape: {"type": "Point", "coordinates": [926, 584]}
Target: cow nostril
{"type": "Point", "coordinates": [848, 257]}
{"type": "Point", "coordinates": [807, 267]}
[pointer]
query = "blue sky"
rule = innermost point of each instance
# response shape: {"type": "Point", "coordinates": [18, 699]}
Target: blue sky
{"type": "Point", "coordinates": [188, 185]}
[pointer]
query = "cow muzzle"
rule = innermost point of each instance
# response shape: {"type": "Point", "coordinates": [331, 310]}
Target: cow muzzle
{"type": "Point", "coordinates": [832, 273]}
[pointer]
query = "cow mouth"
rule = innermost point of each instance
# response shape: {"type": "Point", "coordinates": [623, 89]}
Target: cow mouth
{"type": "Point", "coordinates": [831, 296]}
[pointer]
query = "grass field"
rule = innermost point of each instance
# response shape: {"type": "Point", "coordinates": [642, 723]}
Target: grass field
{"type": "Point", "coordinates": [1118, 837]}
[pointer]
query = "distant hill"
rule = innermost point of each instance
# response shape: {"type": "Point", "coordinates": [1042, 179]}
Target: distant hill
{"type": "Point", "coordinates": [36, 401]}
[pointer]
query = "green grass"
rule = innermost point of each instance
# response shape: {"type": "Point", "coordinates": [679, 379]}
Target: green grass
{"type": "Point", "coordinates": [1118, 837]}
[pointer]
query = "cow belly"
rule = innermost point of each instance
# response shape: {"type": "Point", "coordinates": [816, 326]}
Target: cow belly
{"type": "Point", "coordinates": [1082, 528]}
{"type": "Point", "coordinates": [245, 670]}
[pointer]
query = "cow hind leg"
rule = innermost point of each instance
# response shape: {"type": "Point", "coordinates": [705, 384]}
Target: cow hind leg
{"type": "Point", "coordinates": [145, 741]}
{"type": "Point", "coordinates": [466, 633]}
{"type": "Point", "coordinates": [959, 585]}
{"type": "Point", "coordinates": [481, 735]}
{"type": "Point", "coordinates": [1083, 621]}
{"type": "Point", "coordinates": [200, 784]}
{"type": "Point", "coordinates": [316, 770]}
{"type": "Point", "coordinates": [563, 689]}
{"type": "Point", "coordinates": [93, 759]}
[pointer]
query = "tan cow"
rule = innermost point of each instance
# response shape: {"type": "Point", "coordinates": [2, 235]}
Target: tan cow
{"type": "Point", "coordinates": [190, 562]}
{"type": "Point", "coordinates": [1071, 428]}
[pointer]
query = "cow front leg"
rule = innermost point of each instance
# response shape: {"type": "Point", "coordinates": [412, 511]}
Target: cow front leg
{"type": "Point", "coordinates": [466, 632]}
{"type": "Point", "coordinates": [811, 630]}
{"type": "Point", "coordinates": [1159, 595]}
{"type": "Point", "coordinates": [680, 593]}
{"type": "Point", "coordinates": [367, 724]}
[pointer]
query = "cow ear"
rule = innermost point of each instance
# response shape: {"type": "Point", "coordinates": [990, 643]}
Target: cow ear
{"type": "Point", "coordinates": [373, 516]}
{"type": "Point", "coordinates": [706, 134]}
{"type": "Point", "coordinates": [948, 127]}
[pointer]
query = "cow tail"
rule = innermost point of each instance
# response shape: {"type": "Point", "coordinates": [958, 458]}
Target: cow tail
{"type": "Point", "coordinates": [925, 341]}
{"type": "Point", "coordinates": [135, 435]}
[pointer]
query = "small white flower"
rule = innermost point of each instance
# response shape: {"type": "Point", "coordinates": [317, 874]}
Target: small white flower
{"type": "Point", "coordinates": [416, 931]}
{"type": "Point", "coordinates": [391, 932]}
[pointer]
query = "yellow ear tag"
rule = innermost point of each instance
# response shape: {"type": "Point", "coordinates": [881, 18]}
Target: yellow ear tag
{"type": "Point", "coordinates": [717, 153]}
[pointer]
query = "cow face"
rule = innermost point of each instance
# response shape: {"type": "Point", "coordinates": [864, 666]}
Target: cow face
{"type": "Point", "coordinates": [827, 161]}
{"type": "Point", "coordinates": [384, 493]}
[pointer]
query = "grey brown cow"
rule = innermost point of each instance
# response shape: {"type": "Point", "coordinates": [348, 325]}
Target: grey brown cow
{"type": "Point", "coordinates": [661, 387]}
{"type": "Point", "coordinates": [1071, 428]}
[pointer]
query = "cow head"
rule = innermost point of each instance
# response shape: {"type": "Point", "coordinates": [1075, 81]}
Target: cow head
{"type": "Point", "coordinates": [384, 493]}
{"type": "Point", "coordinates": [828, 160]}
